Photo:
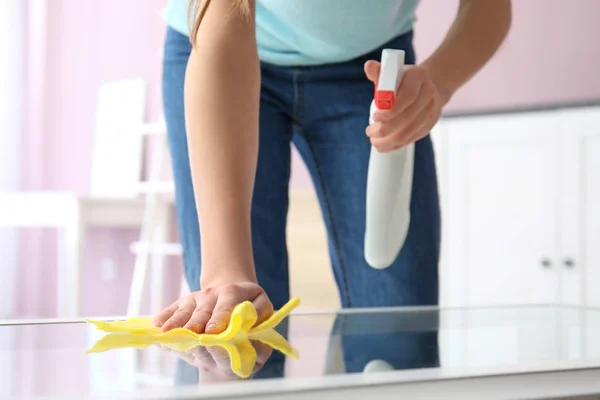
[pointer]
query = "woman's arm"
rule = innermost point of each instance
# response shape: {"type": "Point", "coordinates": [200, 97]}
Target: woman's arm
{"type": "Point", "coordinates": [475, 36]}
{"type": "Point", "coordinates": [221, 106]}
{"type": "Point", "coordinates": [222, 87]}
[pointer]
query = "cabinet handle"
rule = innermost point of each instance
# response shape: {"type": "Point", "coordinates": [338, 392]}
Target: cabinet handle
{"type": "Point", "coordinates": [569, 263]}
{"type": "Point", "coordinates": [546, 263]}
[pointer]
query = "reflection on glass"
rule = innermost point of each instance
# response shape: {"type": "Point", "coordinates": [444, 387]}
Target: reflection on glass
{"type": "Point", "coordinates": [238, 343]}
{"type": "Point", "coordinates": [506, 339]}
{"type": "Point", "coordinates": [220, 363]}
{"type": "Point", "coordinates": [379, 342]}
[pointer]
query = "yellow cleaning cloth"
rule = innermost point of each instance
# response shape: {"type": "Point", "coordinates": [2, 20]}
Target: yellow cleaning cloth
{"type": "Point", "coordinates": [139, 333]}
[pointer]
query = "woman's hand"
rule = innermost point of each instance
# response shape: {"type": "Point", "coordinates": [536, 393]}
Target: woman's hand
{"type": "Point", "coordinates": [209, 310]}
{"type": "Point", "coordinates": [474, 37]}
{"type": "Point", "coordinates": [417, 109]}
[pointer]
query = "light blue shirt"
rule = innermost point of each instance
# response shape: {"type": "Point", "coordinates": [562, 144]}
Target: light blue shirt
{"type": "Point", "coordinates": [312, 32]}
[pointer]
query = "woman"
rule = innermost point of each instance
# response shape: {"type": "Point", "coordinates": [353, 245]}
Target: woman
{"type": "Point", "coordinates": [260, 74]}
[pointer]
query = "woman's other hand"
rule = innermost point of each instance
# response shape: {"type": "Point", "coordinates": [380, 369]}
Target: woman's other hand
{"type": "Point", "coordinates": [416, 110]}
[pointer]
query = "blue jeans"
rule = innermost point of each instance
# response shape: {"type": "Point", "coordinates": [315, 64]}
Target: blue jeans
{"type": "Point", "coordinates": [324, 111]}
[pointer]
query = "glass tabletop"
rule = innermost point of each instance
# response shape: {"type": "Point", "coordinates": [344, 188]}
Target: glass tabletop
{"type": "Point", "coordinates": [49, 360]}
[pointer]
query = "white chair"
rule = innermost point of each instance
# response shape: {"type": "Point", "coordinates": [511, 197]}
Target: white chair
{"type": "Point", "coordinates": [72, 215]}
{"type": "Point", "coordinates": [153, 246]}
{"type": "Point", "coordinates": [116, 120]}
{"type": "Point", "coordinates": [114, 200]}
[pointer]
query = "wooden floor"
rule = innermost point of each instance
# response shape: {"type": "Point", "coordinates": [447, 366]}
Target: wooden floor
{"type": "Point", "coordinates": [310, 269]}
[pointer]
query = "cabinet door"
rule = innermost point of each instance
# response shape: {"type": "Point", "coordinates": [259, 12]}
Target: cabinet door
{"type": "Point", "coordinates": [580, 208]}
{"type": "Point", "coordinates": [501, 219]}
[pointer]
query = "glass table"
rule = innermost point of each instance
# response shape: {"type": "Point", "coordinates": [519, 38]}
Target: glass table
{"type": "Point", "coordinates": [513, 352]}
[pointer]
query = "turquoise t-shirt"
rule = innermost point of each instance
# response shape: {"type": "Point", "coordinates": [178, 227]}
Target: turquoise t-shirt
{"type": "Point", "coordinates": [312, 32]}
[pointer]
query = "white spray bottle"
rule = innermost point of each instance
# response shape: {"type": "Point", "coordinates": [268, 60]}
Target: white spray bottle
{"type": "Point", "coordinates": [390, 176]}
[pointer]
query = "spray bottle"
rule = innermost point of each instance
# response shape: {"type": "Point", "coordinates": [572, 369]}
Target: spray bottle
{"type": "Point", "coordinates": [390, 176]}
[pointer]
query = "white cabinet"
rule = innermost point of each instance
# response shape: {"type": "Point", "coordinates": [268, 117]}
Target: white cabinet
{"type": "Point", "coordinates": [501, 196]}
{"type": "Point", "coordinates": [580, 196]}
{"type": "Point", "coordinates": [590, 216]}
{"type": "Point", "coordinates": [520, 205]}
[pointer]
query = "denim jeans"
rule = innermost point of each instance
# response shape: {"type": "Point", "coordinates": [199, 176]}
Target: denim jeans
{"type": "Point", "coordinates": [323, 111]}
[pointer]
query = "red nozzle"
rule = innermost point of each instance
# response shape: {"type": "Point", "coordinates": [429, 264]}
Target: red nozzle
{"type": "Point", "coordinates": [384, 99]}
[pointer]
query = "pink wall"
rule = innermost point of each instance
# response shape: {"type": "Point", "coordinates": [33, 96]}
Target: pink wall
{"type": "Point", "coordinates": [84, 46]}
{"type": "Point", "coordinates": [550, 56]}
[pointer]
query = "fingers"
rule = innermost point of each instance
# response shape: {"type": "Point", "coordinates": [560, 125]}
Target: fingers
{"type": "Point", "coordinates": [419, 126]}
{"type": "Point", "coordinates": [263, 306]}
{"type": "Point", "coordinates": [388, 127]}
{"type": "Point", "coordinates": [203, 311]}
{"type": "Point", "coordinates": [164, 315]}
{"type": "Point", "coordinates": [413, 86]}
{"type": "Point", "coordinates": [209, 311]}
{"type": "Point", "coordinates": [192, 312]}
{"type": "Point", "coordinates": [408, 92]}
{"type": "Point", "coordinates": [181, 316]}
{"type": "Point", "coordinates": [199, 319]}
{"type": "Point", "coordinates": [372, 70]}
{"type": "Point", "coordinates": [404, 124]}
{"type": "Point", "coordinates": [404, 135]}
{"type": "Point", "coordinates": [228, 298]}
{"type": "Point", "coordinates": [415, 111]}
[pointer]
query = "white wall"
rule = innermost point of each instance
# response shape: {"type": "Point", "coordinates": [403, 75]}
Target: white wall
{"type": "Point", "coordinates": [12, 27]}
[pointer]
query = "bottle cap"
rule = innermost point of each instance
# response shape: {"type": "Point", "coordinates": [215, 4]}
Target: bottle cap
{"type": "Point", "coordinates": [392, 65]}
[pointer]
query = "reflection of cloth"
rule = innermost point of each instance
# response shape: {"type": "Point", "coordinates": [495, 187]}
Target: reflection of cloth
{"type": "Point", "coordinates": [187, 374]}
{"type": "Point", "coordinates": [139, 333]}
{"type": "Point", "coordinates": [275, 365]}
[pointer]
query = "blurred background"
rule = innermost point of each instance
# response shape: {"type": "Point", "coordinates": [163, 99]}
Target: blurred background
{"type": "Point", "coordinates": [85, 193]}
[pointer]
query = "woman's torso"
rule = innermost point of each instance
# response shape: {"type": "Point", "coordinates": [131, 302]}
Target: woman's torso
{"type": "Point", "coordinates": [313, 32]}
